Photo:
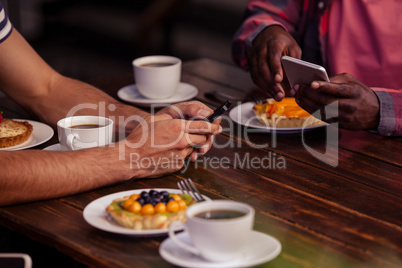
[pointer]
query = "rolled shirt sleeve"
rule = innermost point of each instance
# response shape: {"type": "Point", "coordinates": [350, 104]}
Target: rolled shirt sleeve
{"type": "Point", "coordinates": [259, 15]}
{"type": "Point", "coordinates": [390, 111]}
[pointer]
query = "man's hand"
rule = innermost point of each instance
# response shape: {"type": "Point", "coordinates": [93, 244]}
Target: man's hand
{"type": "Point", "coordinates": [192, 110]}
{"type": "Point", "coordinates": [358, 106]}
{"type": "Point", "coordinates": [160, 144]}
{"type": "Point", "coordinates": [264, 59]}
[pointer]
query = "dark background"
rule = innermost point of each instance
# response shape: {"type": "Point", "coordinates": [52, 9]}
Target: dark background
{"type": "Point", "coordinates": [86, 39]}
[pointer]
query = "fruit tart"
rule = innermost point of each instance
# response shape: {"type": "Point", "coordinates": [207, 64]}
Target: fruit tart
{"type": "Point", "coordinates": [284, 114]}
{"type": "Point", "coordinates": [149, 209]}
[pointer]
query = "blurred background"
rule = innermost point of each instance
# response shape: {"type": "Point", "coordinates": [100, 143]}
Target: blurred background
{"type": "Point", "coordinates": [87, 39]}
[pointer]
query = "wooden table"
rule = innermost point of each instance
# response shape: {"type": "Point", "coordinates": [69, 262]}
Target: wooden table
{"type": "Point", "coordinates": [344, 216]}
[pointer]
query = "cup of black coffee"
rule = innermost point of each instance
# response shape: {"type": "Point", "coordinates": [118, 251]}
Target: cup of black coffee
{"type": "Point", "coordinates": [81, 132]}
{"type": "Point", "coordinates": [157, 77]}
{"type": "Point", "coordinates": [218, 229]}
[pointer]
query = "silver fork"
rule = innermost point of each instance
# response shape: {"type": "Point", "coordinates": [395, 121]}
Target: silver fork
{"type": "Point", "coordinates": [188, 187]}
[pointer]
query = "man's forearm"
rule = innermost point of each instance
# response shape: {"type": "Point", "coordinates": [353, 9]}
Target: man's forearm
{"type": "Point", "coordinates": [68, 97]}
{"type": "Point", "coordinates": [35, 175]}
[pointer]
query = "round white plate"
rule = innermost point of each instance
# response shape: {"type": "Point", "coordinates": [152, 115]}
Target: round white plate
{"type": "Point", "coordinates": [243, 114]}
{"type": "Point", "coordinates": [131, 94]}
{"type": "Point", "coordinates": [55, 147]}
{"type": "Point", "coordinates": [95, 214]}
{"type": "Point", "coordinates": [260, 248]}
{"type": "Point", "coordinates": [41, 133]}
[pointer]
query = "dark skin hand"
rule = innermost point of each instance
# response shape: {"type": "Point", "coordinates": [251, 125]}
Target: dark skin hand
{"type": "Point", "coordinates": [264, 59]}
{"type": "Point", "coordinates": [358, 106]}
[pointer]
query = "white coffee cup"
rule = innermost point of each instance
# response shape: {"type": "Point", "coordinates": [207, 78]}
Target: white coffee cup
{"type": "Point", "coordinates": [82, 132]}
{"type": "Point", "coordinates": [216, 240]}
{"type": "Point", "coordinates": [157, 77]}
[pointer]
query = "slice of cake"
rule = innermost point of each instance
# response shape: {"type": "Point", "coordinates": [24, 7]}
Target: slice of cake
{"type": "Point", "coordinates": [14, 132]}
{"type": "Point", "coordinates": [284, 114]}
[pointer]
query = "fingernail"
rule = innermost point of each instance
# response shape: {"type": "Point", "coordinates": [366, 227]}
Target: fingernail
{"type": "Point", "coordinates": [204, 149]}
{"type": "Point", "coordinates": [220, 129]}
{"type": "Point", "coordinates": [315, 85]}
{"type": "Point", "coordinates": [278, 78]}
{"type": "Point", "coordinates": [194, 157]}
{"type": "Point", "coordinates": [296, 87]}
{"type": "Point", "coordinates": [292, 92]}
{"type": "Point", "coordinates": [279, 96]}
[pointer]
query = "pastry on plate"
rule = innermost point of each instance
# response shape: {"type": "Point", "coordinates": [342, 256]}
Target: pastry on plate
{"type": "Point", "coordinates": [14, 132]}
{"type": "Point", "coordinates": [149, 209]}
{"type": "Point", "coordinates": [284, 114]}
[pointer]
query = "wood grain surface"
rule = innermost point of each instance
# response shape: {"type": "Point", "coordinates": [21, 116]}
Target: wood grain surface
{"type": "Point", "coordinates": [349, 215]}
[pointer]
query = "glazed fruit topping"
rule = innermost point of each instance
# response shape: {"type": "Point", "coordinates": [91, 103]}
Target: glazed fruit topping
{"type": "Point", "coordinates": [152, 202]}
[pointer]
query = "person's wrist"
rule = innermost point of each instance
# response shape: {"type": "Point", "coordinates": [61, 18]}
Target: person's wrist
{"type": "Point", "coordinates": [120, 160]}
{"type": "Point", "coordinates": [375, 121]}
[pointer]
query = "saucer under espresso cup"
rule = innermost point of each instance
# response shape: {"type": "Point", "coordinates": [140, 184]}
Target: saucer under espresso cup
{"type": "Point", "coordinates": [157, 77]}
{"type": "Point", "coordinates": [82, 132]}
{"type": "Point", "coordinates": [260, 248]}
{"type": "Point", "coordinates": [217, 229]}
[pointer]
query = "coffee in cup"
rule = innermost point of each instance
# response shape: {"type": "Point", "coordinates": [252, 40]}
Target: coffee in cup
{"type": "Point", "coordinates": [218, 229]}
{"type": "Point", "coordinates": [157, 77]}
{"type": "Point", "coordinates": [81, 132]}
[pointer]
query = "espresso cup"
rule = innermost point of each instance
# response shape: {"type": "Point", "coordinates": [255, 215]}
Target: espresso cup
{"type": "Point", "coordinates": [218, 229]}
{"type": "Point", "coordinates": [157, 77]}
{"type": "Point", "coordinates": [82, 132]}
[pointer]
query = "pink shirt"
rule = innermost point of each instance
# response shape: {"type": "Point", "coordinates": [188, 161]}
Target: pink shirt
{"type": "Point", "coordinates": [360, 37]}
{"type": "Point", "coordinates": [351, 36]}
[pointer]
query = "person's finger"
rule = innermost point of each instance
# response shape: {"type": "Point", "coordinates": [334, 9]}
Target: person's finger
{"type": "Point", "coordinates": [262, 72]}
{"type": "Point", "coordinates": [320, 98]}
{"type": "Point", "coordinates": [336, 90]}
{"type": "Point", "coordinates": [194, 155]}
{"type": "Point", "coordinates": [307, 104]}
{"type": "Point", "coordinates": [295, 51]}
{"type": "Point", "coordinates": [191, 109]}
{"type": "Point", "coordinates": [194, 140]}
{"type": "Point", "coordinates": [202, 127]}
{"type": "Point", "coordinates": [208, 144]}
{"type": "Point", "coordinates": [276, 70]}
{"type": "Point", "coordinates": [274, 62]}
{"type": "Point", "coordinates": [160, 117]}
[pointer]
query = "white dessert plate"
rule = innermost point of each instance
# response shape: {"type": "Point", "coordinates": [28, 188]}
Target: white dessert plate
{"type": "Point", "coordinates": [95, 214]}
{"type": "Point", "coordinates": [243, 114]}
{"type": "Point", "coordinates": [260, 248]}
{"type": "Point", "coordinates": [131, 94]}
{"type": "Point", "coordinates": [41, 133]}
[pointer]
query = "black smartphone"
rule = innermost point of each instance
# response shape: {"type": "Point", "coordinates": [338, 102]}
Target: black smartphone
{"type": "Point", "coordinates": [219, 111]}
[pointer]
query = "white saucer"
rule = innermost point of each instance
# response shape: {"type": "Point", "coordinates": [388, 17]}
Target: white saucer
{"type": "Point", "coordinates": [243, 114]}
{"type": "Point", "coordinates": [55, 147]}
{"type": "Point", "coordinates": [131, 94]}
{"type": "Point", "coordinates": [95, 214]}
{"type": "Point", "coordinates": [260, 249]}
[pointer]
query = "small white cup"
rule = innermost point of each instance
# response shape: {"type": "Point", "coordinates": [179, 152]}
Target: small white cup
{"type": "Point", "coordinates": [82, 132]}
{"type": "Point", "coordinates": [157, 77]}
{"type": "Point", "coordinates": [216, 240]}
